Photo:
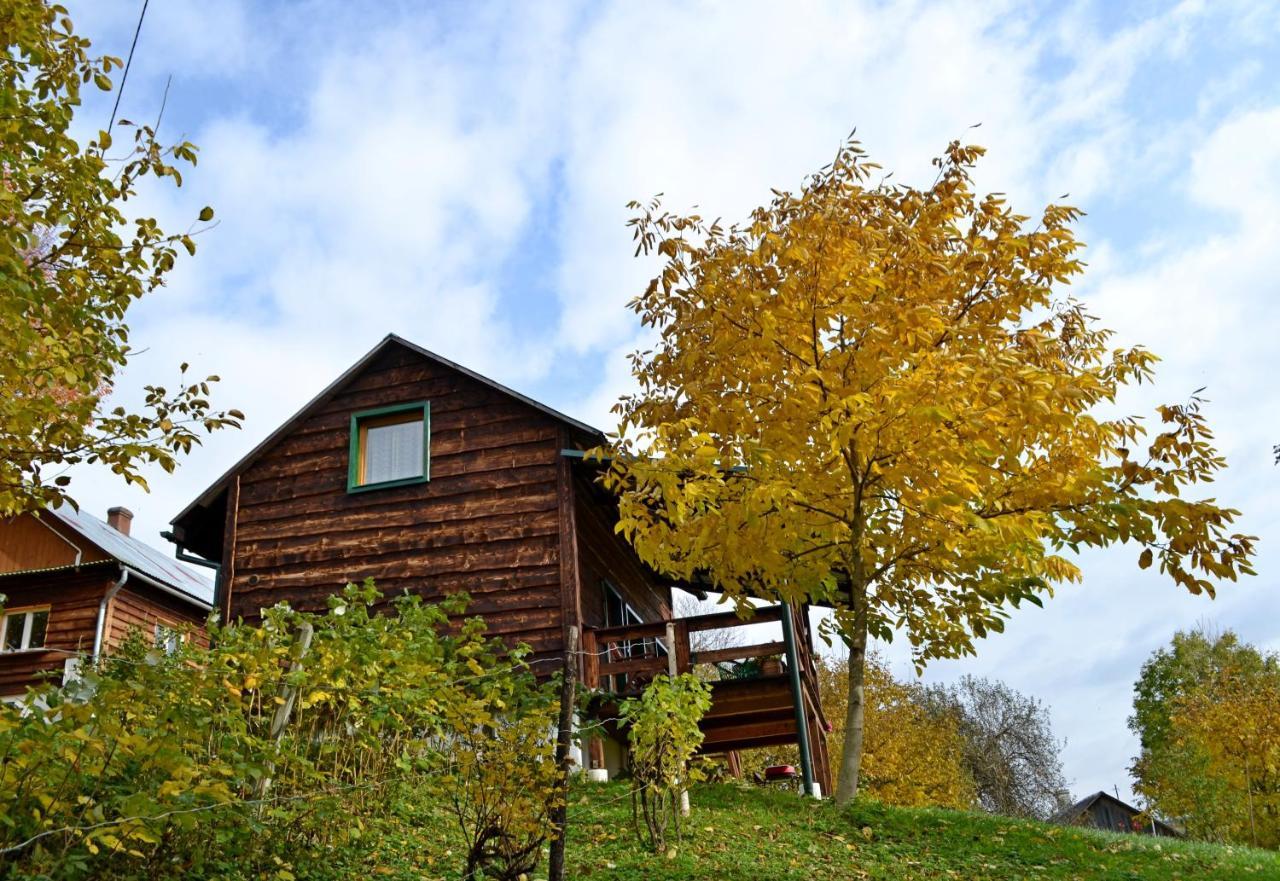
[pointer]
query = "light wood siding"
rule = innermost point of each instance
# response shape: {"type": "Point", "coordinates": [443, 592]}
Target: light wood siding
{"type": "Point", "coordinates": [27, 543]}
{"type": "Point", "coordinates": [72, 599]}
{"type": "Point", "coordinates": [486, 523]}
{"type": "Point", "coordinates": [143, 607]}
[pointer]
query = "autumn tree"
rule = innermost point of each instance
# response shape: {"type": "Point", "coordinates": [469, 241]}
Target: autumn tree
{"type": "Point", "coordinates": [1009, 750]}
{"type": "Point", "coordinates": [878, 397]}
{"type": "Point", "coordinates": [1207, 713]}
{"type": "Point", "coordinates": [72, 262]}
{"type": "Point", "coordinates": [913, 756]}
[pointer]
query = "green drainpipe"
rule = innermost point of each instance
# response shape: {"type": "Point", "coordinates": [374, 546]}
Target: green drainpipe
{"type": "Point", "coordinates": [797, 696]}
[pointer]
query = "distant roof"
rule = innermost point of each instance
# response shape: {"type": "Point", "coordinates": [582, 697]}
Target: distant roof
{"type": "Point", "coordinates": [136, 554]}
{"type": "Point", "coordinates": [390, 339]}
{"type": "Point", "coordinates": [1070, 815]}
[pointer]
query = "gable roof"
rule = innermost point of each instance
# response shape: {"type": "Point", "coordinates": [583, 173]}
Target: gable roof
{"type": "Point", "coordinates": [208, 496]}
{"type": "Point", "coordinates": [135, 554]}
{"type": "Point", "coordinates": [1068, 816]}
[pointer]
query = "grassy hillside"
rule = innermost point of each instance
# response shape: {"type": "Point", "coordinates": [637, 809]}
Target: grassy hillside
{"type": "Point", "coordinates": [750, 834]}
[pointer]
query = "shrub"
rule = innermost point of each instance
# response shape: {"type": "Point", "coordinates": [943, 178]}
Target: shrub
{"type": "Point", "coordinates": [256, 758]}
{"type": "Point", "coordinates": [663, 734]}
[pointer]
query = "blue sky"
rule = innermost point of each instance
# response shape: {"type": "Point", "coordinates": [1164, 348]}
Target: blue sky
{"type": "Point", "coordinates": [458, 173]}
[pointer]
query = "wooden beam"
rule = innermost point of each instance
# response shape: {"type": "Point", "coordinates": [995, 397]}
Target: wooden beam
{"type": "Point", "coordinates": [718, 620]}
{"type": "Point", "coordinates": [570, 588]}
{"type": "Point", "coordinates": [228, 572]}
{"type": "Point", "coordinates": [742, 652]}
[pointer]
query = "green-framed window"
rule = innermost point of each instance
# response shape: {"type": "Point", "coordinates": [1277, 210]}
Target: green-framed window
{"type": "Point", "coordinates": [390, 446]}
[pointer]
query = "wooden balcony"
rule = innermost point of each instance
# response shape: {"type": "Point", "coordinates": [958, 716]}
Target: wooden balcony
{"type": "Point", "coordinates": [766, 693]}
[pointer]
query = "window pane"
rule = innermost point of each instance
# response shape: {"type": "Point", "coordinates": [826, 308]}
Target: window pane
{"type": "Point", "coordinates": [393, 452]}
{"type": "Point", "coordinates": [39, 624]}
{"type": "Point", "coordinates": [13, 625]}
{"type": "Point", "coordinates": [613, 607]}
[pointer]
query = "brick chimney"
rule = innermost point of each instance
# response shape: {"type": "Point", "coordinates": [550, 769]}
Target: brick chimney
{"type": "Point", "coordinates": [119, 519]}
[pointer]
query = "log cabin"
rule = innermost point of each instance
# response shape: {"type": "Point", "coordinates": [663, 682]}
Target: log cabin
{"type": "Point", "coordinates": [74, 588]}
{"type": "Point", "coordinates": [428, 477]}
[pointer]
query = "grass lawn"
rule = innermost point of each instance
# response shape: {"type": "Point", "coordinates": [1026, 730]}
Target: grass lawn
{"type": "Point", "coordinates": [739, 833]}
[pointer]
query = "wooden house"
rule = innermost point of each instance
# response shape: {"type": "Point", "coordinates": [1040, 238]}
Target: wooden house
{"type": "Point", "coordinates": [74, 587]}
{"type": "Point", "coordinates": [431, 478]}
{"type": "Point", "coordinates": [1103, 811]}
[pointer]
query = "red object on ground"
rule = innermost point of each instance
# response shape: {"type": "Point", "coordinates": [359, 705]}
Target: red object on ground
{"type": "Point", "coordinates": [779, 772]}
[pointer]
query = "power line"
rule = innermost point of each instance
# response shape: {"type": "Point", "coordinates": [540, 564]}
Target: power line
{"type": "Point", "coordinates": [124, 78]}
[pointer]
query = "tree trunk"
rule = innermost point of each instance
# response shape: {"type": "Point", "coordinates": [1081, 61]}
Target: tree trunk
{"type": "Point", "coordinates": [855, 714]}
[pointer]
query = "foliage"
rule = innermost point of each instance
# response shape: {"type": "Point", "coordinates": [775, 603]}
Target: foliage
{"type": "Point", "coordinates": [751, 833]}
{"type": "Point", "coordinates": [912, 757]}
{"type": "Point", "coordinates": [1207, 711]}
{"type": "Point", "coordinates": [192, 765]}
{"type": "Point", "coordinates": [72, 263]}
{"type": "Point", "coordinates": [877, 396]}
{"type": "Point", "coordinates": [501, 783]}
{"type": "Point", "coordinates": [1008, 747]}
{"type": "Point", "coordinates": [1173, 673]}
{"type": "Point", "coordinates": [663, 735]}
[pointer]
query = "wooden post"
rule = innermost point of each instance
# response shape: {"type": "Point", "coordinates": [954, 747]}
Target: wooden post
{"type": "Point", "coordinates": [681, 648]}
{"type": "Point", "coordinates": [674, 669]}
{"type": "Point", "coordinates": [288, 697]}
{"type": "Point", "coordinates": [564, 739]}
{"type": "Point", "coordinates": [594, 749]}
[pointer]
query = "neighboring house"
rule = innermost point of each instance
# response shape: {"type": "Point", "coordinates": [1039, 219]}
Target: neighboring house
{"type": "Point", "coordinates": [430, 478]}
{"type": "Point", "coordinates": [74, 588]}
{"type": "Point", "coordinates": [1103, 811]}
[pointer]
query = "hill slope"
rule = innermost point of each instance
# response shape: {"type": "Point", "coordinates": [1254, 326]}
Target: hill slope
{"type": "Point", "coordinates": [741, 833]}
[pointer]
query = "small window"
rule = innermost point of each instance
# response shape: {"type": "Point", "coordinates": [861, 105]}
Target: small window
{"type": "Point", "coordinates": [389, 446]}
{"type": "Point", "coordinates": [20, 631]}
{"type": "Point", "coordinates": [168, 639]}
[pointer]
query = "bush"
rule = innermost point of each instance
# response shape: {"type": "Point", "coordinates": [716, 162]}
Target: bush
{"type": "Point", "coordinates": [663, 734]}
{"type": "Point", "coordinates": [256, 758]}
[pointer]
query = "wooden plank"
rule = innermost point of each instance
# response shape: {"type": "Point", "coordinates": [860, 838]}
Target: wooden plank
{"type": "Point", "coordinates": [725, 620]}
{"type": "Point", "coordinates": [761, 650]}
{"type": "Point", "coordinates": [627, 632]}
{"type": "Point", "coordinates": [737, 734]}
{"type": "Point", "coordinates": [633, 665]}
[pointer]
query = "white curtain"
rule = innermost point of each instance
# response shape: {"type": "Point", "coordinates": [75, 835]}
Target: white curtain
{"type": "Point", "coordinates": [393, 452]}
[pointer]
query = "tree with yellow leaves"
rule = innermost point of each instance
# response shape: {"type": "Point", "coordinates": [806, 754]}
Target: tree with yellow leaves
{"type": "Point", "coordinates": [1207, 710]}
{"type": "Point", "coordinates": [876, 397]}
{"type": "Point", "coordinates": [913, 756]}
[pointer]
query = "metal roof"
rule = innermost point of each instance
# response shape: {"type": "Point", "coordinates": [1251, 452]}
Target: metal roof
{"type": "Point", "coordinates": [136, 554]}
{"type": "Point", "coordinates": [216, 487]}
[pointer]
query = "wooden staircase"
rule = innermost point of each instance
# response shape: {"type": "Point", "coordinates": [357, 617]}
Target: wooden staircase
{"type": "Point", "coordinates": [767, 709]}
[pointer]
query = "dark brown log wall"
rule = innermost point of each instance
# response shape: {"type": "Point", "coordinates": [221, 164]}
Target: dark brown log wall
{"type": "Point", "coordinates": [72, 598]}
{"type": "Point", "coordinates": [486, 523]}
{"type": "Point", "coordinates": [602, 554]}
